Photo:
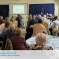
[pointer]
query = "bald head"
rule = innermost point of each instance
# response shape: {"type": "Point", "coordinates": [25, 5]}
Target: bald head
{"type": "Point", "coordinates": [12, 27]}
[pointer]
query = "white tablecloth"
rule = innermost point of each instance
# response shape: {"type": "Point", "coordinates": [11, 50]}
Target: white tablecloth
{"type": "Point", "coordinates": [53, 42]}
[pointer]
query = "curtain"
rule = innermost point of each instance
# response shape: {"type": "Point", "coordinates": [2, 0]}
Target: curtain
{"type": "Point", "coordinates": [4, 10]}
{"type": "Point", "coordinates": [44, 8]}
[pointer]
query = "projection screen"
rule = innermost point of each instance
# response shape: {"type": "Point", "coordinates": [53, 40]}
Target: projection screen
{"type": "Point", "coordinates": [18, 8]}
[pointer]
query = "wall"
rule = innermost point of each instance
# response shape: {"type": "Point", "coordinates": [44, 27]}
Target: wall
{"type": "Point", "coordinates": [32, 2]}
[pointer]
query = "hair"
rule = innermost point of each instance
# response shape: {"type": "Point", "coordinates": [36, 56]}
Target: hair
{"type": "Point", "coordinates": [12, 26]}
{"type": "Point", "coordinates": [18, 14]}
{"type": "Point", "coordinates": [18, 31]}
{"type": "Point", "coordinates": [0, 17]}
{"type": "Point", "coordinates": [7, 23]}
{"type": "Point", "coordinates": [1, 21]}
{"type": "Point", "coordinates": [48, 15]}
{"type": "Point", "coordinates": [7, 19]}
{"type": "Point", "coordinates": [30, 17]}
{"type": "Point", "coordinates": [12, 18]}
{"type": "Point", "coordinates": [40, 39]}
{"type": "Point", "coordinates": [55, 17]}
{"type": "Point", "coordinates": [39, 20]}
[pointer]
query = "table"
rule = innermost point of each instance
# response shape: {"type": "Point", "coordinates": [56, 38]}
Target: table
{"type": "Point", "coordinates": [53, 42]}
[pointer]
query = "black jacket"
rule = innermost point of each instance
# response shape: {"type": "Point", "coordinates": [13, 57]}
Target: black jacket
{"type": "Point", "coordinates": [9, 34]}
{"type": "Point", "coordinates": [19, 20]}
{"type": "Point", "coordinates": [30, 30]}
{"type": "Point", "coordinates": [32, 22]}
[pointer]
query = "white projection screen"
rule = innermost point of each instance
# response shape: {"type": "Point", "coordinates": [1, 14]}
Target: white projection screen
{"type": "Point", "coordinates": [18, 8]}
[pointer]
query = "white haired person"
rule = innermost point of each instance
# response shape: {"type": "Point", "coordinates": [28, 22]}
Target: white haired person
{"type": "Point", "coordinates": [45, 19]}
{"type": "Point", "coordinates": [40, 43]}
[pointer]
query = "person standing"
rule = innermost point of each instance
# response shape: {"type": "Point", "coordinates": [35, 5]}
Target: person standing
{"type": "Point", "coordinates": [19, 18]}
{"type": "Point", "coordinates": [30, 30]}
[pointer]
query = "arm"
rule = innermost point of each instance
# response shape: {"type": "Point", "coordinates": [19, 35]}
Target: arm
{"type": "Point", "coordinates": [31, 26]}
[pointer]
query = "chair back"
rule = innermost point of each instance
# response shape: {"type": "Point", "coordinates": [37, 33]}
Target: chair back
{"type": "Point", "coordinates": [45, 25]}
{"type": "Point", "coordinates": [15, 23]}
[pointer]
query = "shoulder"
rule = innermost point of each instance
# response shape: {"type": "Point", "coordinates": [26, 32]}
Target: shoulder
{"type": "Point", "coordinates": [41, 25]}
{"type": "Point", "coordinates": [22, 37]}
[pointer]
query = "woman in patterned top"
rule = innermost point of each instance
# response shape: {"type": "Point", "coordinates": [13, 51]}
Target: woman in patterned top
{"type": "Point", "coordinates": [40, 43]}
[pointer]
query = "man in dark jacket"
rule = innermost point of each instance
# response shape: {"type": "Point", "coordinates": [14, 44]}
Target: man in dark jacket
{"type": "Point", "coordinates": [10, 33]}
{"type": "Point", "coordinates": [19, 18]}
{"type": "Point", "coordinates": [30, 30]}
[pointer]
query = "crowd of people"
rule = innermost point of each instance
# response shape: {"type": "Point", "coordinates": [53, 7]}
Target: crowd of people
{"type": "Point", "coordinates": [34, 28]}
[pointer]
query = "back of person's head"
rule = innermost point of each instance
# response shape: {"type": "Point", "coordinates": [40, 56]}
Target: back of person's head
{"type": "Point", "coordinates": [50, 15]}
{"type": "Point", "coordinates": [7, 24]}
{"type": "Point", "coordinates": [19, 15]}
{"type": "Point", "coordinates": [30, 18]}
{"type": "Point", "coordinates": [39, 16]}
{"type": "Point", "coordinates": [39, 20]}
{"type": "Point", "coordinates": [7, 19]}
{"type": "Point", "coordinates": [47, 14]}
{"type": "Point", "coordinates": [12, 27]}
{"type": "Point", "coordinates": [1, 17]}
{"type": "Point", "coordinates": [18, 31]}
{"type": "Point", "coordinates": [1, 21]}
{"type": "Point", "coordinates": [40, 39]}
{"type": "Point", "coordinates": [12, 18]}
{"type": "Point", "coordinates": [41, 13]}
{"type": "Point", "coordinates": [34, 16]}
{"type": "Point", "coordinates": [55, 18]}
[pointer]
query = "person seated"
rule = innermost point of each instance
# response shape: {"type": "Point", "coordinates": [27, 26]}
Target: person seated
{"type": "Point", "coordinates": [2, 25]}
{"type": "Point", "coordinates": [44, 19]}
{"type": "Point", "coordinates": [51, 18]}
{"type": "Point", "coordinates": [7, 26]}
{"type": "Point", "coordinates": [41, 14]}
{"type": "Point", "coordinates": [55, 25]}
{"type": "Point", "coordinates": [1, 17]}
{"type": "Point", "coordinates": [10, 33]}
{"type": "Point", "coordinates": [12, 18]}
{"type": "Point", "coordinates": [3, 34]}
{"type": "Point", "coordinates": [40, 43]}
{"type": "Point", "coordinates": [36, 15]}
{"type": "Point", "coordinates": [38, 28]}
{"type": "Point", "coordinates": [30, 30]}
{"type": "Point", "coordinates": [7, 19]}
{"type": "Point", "coordinates": [47, 15]}
{"type": "Point", "coordinates": [19, 18]}
{"type": "Point", "coordinates": [18, 42]}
